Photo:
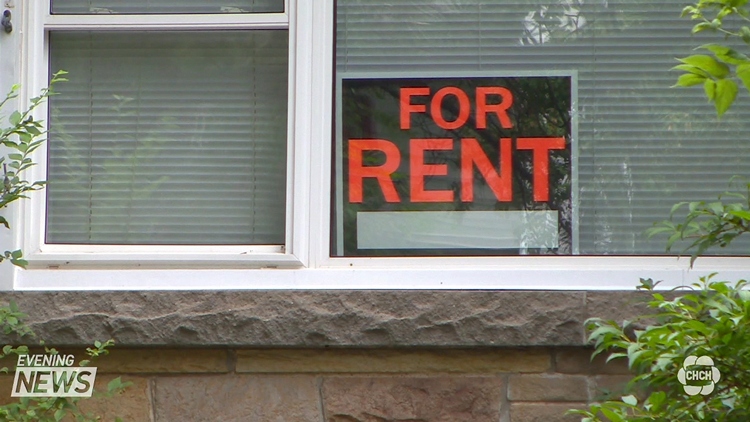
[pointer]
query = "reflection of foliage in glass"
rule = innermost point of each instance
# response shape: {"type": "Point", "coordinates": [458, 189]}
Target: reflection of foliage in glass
{"type": "Point", "coordinates": [561, 19]}
{"type": "Point", "coordinates": [114, 183]}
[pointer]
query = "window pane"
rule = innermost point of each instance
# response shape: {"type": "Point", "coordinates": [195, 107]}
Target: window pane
{"type": "Point", "coordinates": [168, 138]}
{"type": "Point", "coordinates": [79, 7]}
{"type": "Point", "coordinates": [642, 146]}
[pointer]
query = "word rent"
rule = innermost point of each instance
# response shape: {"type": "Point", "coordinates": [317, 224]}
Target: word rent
{"type": "Point", "coordinates": [489, 101]}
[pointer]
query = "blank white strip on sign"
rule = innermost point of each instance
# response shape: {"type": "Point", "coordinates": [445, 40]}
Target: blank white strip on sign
{"type": "Point", "coordinates": [457, 229]}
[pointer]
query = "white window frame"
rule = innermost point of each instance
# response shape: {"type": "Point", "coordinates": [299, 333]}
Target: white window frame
{"type": "Point", "coordinates": [38, 22]}
{"type": "Point", "coordinates": [306, 262]}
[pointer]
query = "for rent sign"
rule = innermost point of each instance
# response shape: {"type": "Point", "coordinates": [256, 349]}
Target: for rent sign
{"type": "Point", "coordinates": [472, 165]}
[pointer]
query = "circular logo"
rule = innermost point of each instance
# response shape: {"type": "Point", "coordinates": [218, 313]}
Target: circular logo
{"type": "Point", "coordinates": [698, 375]}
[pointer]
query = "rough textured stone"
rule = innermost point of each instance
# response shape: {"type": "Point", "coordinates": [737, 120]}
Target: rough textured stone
{"type": "Point", "coordinates": [483, 360]}
{"type": "Point", "coordinates": [547, 387]}
{"type": "Point", "coordinates": [416, 399]}
{"type": "Point", "coordinates": [617, 306]}
{"type": "Point", "coordinates": [544, 412]}
{"type": "Point", "coordinates": [235, 398]}
{"type": "Point", "coordinates": [307, 318]}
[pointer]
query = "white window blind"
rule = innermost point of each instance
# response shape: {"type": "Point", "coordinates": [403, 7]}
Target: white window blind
{"type": "Point", "coordinates": [168, 138]}
{"type": "Point", "coordinates": [642, 146]}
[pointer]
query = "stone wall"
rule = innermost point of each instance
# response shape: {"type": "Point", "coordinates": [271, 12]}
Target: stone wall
{"type": "Point", "coordinates": [352, 385]}
{"type": "Point", "coordinates": [337, 356]}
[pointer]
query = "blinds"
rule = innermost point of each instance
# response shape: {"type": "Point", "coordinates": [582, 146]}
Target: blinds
{"type": "Point", "coordinates": [166, 6]}
{"type": "Point", "coordinates": [168, 138]}
{"type": "Point", "coordinates": [642, 146]}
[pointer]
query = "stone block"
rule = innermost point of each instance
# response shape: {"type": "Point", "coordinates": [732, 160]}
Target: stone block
{"type": "Point", "coordinates": [484, 361]}
{"type": "Point", "coordinates": [423, 399]}
{"type": "Point", "coordinates": [132, 405]}
{"type": "Point", "coordinates": [548, 387]}
{"type": "Point", "coordinates": [605, 387]}
{"type": "Point", "coordinates": [282, 319]}
{"type": "Point", "coordinates": [544, 412]}
{"type": "Point", "coordinates": [6, 387]}
{"type": "Point", "coordinates": [577, 360]}
{"type": "Point", "coordinates": [618, 306]}
{"type": "Point", "coordinates": [143, 361]}
{"type": "Point", "coordinates": [201, 398]}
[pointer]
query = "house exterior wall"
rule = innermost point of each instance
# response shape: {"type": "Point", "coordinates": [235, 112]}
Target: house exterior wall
{"type": "Point", "coordinates": [337, 356]}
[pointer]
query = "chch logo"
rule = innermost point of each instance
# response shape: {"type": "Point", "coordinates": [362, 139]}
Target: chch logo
{"type": "Point", "coordinates": [698, 375]}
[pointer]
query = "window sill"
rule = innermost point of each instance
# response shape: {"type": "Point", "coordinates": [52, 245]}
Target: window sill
{"type": "Point", "coordinates": [346, 318]}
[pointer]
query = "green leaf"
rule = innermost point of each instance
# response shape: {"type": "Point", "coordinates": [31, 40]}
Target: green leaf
{"type": "Point", "coordinates": [112, 385]}
{"type": "Point", "coordinates": [690, 79]}
{"type": "Point", "coordinates": [690, 69]}
{"type": "Point", "coordinates": [611, 415]}
{"type": "Point", "coordinates": [745, 215]}
{"type": "Point", "coordinates": [22, 263]}
{"type": "Point", "coordinates": [631, 400]}
{"type": "Point", "coordinates": [709, 64]}
{"type": "Point", "coordinates": [743, 72]}
{"type": "Point", "coordinates": [702, 27]}
{"type": "Point", "coordinates": [710, 88]}
{"type": "Point", "coordinates": [745, 34]}
{"type": "Point", "coordinates": [726, 92]}
{"type": "Point", "coordinates": [15, 118]}
{"type": "Point", "coordinates": [726, 54]}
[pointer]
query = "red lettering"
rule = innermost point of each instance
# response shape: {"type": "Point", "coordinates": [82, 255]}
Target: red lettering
{"type": "Point", "coordinates": [407, 107]}
{"type": "Point", "coordinates": [358, 171]}
{"type": "Point", "coordinates": [436, 107]}
{"type": "Point", "coordinates": [471, 155]}
{"type": "Point", "coordinates": [501, 109]}
{"type": "Point", "coordinates": [418, 170]}
{"type": "Point", "coordinates": [541, 148]}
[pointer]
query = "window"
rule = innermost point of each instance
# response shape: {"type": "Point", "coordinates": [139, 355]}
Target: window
{"type": "Point", "coordinates": [168, 138]}
{"type": "Point", "coordinates": [174, 136]}
{"type": "Point", "coordinates": [132, 159]}
{"type": "Point", "coordinates": [639, 146]}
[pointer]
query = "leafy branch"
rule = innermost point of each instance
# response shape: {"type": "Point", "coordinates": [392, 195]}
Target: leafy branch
{"type": "Point", "coordinates": [48, 409]}
{"type": "Point", "coordinates": [707, 224]}
{"type": "Point", "coordinates": [21, 138]}
{"type": "Point", "coordinates": [711, 320]}
{"type": "Point", "coordinates": [718, 73]}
